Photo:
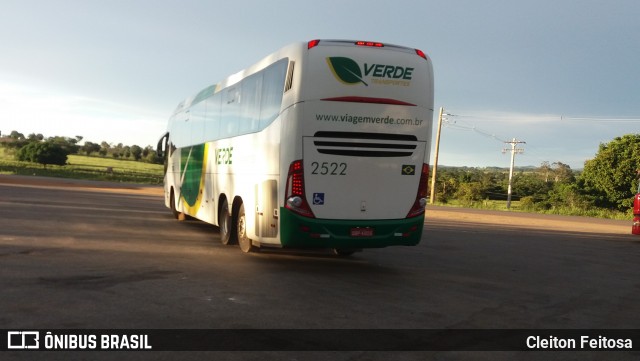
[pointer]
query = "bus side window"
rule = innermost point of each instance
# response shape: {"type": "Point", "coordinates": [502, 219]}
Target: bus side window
{"type": "Point", "coordinates": [229, 114]}
{"type": "Point", "coordinates": [181, 129]}
{"type": "Point", "coordinates": [272, 90]}
{"type": "Point", "coordinates": [212, 123]}
{"type": "Point", "coordinates": [198, 113]}
{"type": "Point", "coordinates": [249, 107]}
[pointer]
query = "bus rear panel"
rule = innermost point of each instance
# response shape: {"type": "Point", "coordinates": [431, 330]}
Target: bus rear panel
{"type": "Point", "coordinates": [367, 119]}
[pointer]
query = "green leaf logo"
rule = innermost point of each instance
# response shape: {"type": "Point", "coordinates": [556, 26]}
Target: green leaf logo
{"type": "Point", "coordinates": [345, 70]}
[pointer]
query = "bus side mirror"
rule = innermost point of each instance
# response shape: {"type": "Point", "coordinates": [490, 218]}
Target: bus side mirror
{"type": "Point", "coordinates": [161, 148]}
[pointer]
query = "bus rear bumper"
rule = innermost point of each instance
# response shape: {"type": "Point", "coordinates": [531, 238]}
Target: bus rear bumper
{"type": "Point", "coordinates": [302, 232]}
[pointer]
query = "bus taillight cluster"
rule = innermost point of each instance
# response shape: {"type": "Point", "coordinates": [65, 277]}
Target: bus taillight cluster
{"type": "Point", "coordinates": [421, 197]}
{"type": "Point", "coordinates": [295, 199]}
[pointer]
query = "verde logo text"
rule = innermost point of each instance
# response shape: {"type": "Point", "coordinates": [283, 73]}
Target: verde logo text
{"type": "Point", "coordinates": [348, 71]}
{"type": "Point", "coordinates": [224, 156]}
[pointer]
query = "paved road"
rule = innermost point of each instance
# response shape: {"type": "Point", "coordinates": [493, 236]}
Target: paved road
{"type": "Point", "coordinates": [113, 257]}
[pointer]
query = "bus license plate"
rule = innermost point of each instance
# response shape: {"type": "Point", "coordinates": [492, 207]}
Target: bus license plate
{"type": "Point", "coordinates": [362, 232]}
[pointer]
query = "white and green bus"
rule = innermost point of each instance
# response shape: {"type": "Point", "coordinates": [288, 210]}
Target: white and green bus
{"type": "Point", "coordinates": [322, 144]}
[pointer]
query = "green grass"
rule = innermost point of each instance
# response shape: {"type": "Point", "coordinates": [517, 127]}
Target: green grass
{"type": "Point", "coordinates": [90, 168]}
{"type": "Point", "coordinates": [564, 211]}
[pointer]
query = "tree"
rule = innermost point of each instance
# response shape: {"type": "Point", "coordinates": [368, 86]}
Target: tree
{"type": "Point", "coordinates": [90, 147]}
{"type": "Point", "coordinates": [35, 137]}
{"type": "Point", "coordinates": [610, 177]}
{"type": "Point", "coordinates": [568, 195]}
{"type": "Point", "coordinates": [44, 153]}
{"type": "Point", "coordinates": [16, 135]}
{"type": "Point", "coordinates": [530, 184]}
{"type": "Point", "coordinates": [117, 151]}
{"type": "Point", "coordinates": [17, 140]}
{"type": "Point", "coordinates": [545, 171]}
{"type": "Point", "coordinates": [104, 148]}
{"type": "Point", "coordinates": [70, 145]}
{"type": "Point", "coordinates": [563, 173]}
{"type": "Point", "coordinates": [136, 152]}
{"type": "Point", "coordinates": [469, 193]}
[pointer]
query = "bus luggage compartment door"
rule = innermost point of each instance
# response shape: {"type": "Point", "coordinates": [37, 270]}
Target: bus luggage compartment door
{"type": "Point", "coordinates": [266, 197]}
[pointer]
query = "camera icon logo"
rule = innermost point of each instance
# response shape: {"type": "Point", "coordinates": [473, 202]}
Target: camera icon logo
{"type": "Point", "coordinates": [23, 340]}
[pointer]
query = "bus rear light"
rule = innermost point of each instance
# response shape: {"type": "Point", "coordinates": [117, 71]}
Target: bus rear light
{"type": "Point", "coordinates": [421, 53]}
{"type": "Point", "coordinates": [420, 203]}
{"type": "Point", "coordinates": [294, 202]}
{"type": "Point", "coordinates": [312, 44]}
{"type": "Point", "coordinates": [370, 43]}
{"type": "Point", "coordinates": [295, 199]}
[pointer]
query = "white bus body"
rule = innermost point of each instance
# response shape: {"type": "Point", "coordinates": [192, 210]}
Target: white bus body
{"type": "Point", "coordinates": [320, 144]}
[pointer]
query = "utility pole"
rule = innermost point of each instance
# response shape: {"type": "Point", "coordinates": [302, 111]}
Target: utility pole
{"type": "Point", "coordinates": [514, 150]}
{"type": "Point", "coordinates": [435, 159]}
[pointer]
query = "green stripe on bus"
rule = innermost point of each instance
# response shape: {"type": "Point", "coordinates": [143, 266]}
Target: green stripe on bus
{"type": "Point", "coordinates": [192, 169]}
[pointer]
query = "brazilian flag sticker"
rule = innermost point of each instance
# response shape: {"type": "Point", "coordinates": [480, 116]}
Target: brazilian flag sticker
{"type": "Point", "coordinates": [408, 169]}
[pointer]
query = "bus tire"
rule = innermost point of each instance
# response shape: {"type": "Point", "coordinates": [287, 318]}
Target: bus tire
{"type": "Point", "coordinates": [244, 241]}
{"type": "Point", "coordinates": [344, 252]}
{"type": "Point", "coordinates": [172, 205]}
{"type": "Point", "coordinates": [224, 223]}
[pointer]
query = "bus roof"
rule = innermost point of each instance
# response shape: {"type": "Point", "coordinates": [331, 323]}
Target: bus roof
{"type": "Point", "coordinates": [290, 51]}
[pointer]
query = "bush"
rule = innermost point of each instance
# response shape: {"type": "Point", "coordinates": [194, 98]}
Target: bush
{"type": "Point", "coordinates": [528, 204]}
{"type": "Point", "coordinates": [43, 153]}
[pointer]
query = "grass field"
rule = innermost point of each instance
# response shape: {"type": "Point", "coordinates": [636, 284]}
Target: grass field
{"type": "Point", "coordinates": [516, 206]}
{"type": "Point", "coordinates": [91, 168]}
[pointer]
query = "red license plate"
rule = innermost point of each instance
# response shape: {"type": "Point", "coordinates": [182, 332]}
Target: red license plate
{"type": "Point", "coordinates": [362, 232]}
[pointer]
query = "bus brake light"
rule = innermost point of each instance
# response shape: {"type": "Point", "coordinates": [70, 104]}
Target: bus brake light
{"type": "Point", "coordinates": [370, 43]}
{"type": "Point", "coordinates": [295, 199]}
{"type": "Point", "coordinates": [421, 197]}
{"type": "Point", "coordinates": [421, 53]}
{"type": "Point", "coordinates": [312, 44]}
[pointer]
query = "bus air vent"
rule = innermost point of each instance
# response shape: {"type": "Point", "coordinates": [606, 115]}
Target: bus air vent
{"type": "Point", "coordinates": [289, 82]}
{"type": "Point", "coordinates": [359, 144]}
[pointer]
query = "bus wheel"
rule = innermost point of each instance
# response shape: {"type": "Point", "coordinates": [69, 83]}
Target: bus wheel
{"type": "Point", "coordinates": [344, 252]}
{"type": "Point", "coordinates": [225, 223]}
{"type": "Point", "coordinates": [172, 204]}
{"type": "Point", "coordinates": [241, 226]}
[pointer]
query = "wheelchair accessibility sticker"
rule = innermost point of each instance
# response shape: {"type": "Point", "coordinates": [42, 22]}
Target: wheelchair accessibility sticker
{"type": "Point", "coordinates": [318, 199]}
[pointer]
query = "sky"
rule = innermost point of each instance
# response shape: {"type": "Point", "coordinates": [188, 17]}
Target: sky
{"type": "Point", "coordinates": [561, 75]}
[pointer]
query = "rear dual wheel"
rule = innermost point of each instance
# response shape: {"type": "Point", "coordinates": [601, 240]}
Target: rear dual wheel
{"type": "Point", "coordinates": [241, 229]}
{"type": "Point", "coordinates": [224, 221]}
{"type": "Point", "coordinates": [233, 229]}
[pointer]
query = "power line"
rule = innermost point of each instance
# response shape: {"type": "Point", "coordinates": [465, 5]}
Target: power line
{"type": "Point", "coordinates": [464, 122]}
{"type": "Point", "coordinates": [471, 127]}
{"type": "Point", "coordinates": [603, 119]}
{"type": "Point", "coordinates": [552, 117]}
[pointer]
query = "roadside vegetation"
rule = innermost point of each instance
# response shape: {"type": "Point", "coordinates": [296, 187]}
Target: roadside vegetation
{"type": "Point", "coordinates": [64, 157]}
{"type": "Point", "coordinates": [604, 188]}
